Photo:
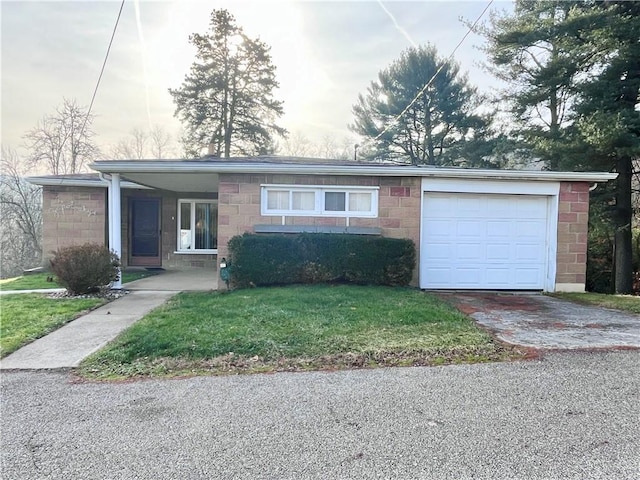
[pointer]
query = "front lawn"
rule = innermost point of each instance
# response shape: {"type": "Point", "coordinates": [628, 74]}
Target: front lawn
{"type": "Point", "coordinates": [25, 317]}
{"type": "Point", "coordinates": [39, 280]}
{"type": "Point", "coordinates": [628, 303]}
{"type": "Point", "coordinates": [295, 328]}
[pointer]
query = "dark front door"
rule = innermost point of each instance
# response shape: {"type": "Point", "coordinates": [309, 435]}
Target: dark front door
{"type": "Point", "coordinates": [144, 232]}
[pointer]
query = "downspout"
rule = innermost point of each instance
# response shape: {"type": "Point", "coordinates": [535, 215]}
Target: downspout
{"type": "Point", "coordinates": [115, 234]}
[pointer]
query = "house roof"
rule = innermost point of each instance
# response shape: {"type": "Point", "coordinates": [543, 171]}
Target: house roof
{"type": "Point", "coordinates": [201, 175]}
{"type": "Point", "coordinates": [315, 166]}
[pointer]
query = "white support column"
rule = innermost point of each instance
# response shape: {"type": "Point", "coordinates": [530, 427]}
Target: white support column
{"type": "Point", "coordinates": [115, 223]}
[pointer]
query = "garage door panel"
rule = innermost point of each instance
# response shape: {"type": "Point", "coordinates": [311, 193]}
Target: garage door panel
{"type": "Point", "coordinates": [530, 208]}
{"type": "Point", "coordinates": [467, 276]}
{"type": "Point", "coordinates": [480, 241]}
{"type": "Point", "coordinates": [497, 276]}
{"type": "Point", "coordinates": [527, 276]}
{"type": "Point", "coordinates": [469, 251]}
{"type": "Point", "coordinates": [528, 252]}
{"type": "Point", "coordinates": [535, 230]}
{"type": "Point", "coordinates": [498, 252]}
{"type": "Point", "coordinates": [497, 207]}
{"type": "Point", "coordinates": [441, 228]}
{"type": "Point", "coordinates": [440, 206]}
{"type": "Point", "coordinates": [468, 228]}
{"type": "Point", "coordinates": [439, 251]}
{"type": "Point", "coordinates": [497, 229]}
{"type": "Point", "coordinates": [441, 277]}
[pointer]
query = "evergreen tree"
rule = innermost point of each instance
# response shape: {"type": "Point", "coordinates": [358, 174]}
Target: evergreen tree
{"type": "Point", "coordinates": [227, 100]}
{"type": "Point", "coordinates": [574, 74]}
{"type": "Point", "coordinates": [437, 123]}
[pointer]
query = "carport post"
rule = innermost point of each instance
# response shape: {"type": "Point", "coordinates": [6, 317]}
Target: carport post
{"type": "Point", "coordinates": [115, 233]}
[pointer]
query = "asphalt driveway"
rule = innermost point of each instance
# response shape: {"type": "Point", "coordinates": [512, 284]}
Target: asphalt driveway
{"type": "Point", "coordinates": [541, 321]}
{"type": "Point", "coordinates": [570, 415]}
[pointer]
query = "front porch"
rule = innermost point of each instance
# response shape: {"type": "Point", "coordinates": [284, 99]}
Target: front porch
{"type": "Point", "coordinates": [172, 280]}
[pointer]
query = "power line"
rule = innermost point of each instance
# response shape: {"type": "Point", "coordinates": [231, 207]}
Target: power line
{"type": "Point", "coordinates": [428, 84]}
{"type": "Point", "coordinates": [104, 63]}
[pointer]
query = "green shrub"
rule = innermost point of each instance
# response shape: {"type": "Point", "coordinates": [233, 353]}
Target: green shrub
{"type": "Point", "coordinates": [85, 268]}
{"type": "Point", "coordinates": [259, 259]}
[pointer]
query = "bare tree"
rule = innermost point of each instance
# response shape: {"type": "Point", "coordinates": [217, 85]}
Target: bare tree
{"type": "Point", "coordinates": [63, 142]}
{"type": "Point", "coordinates": [20, 219]}
{"type": "Point", "coordinates": [297, 145]}
{"type": "Point", "coordinates": [131, 148]}
{"type": "Point", "coordinates": [141, 144]}
{"type": "Point", "coordinates": [160, 142]}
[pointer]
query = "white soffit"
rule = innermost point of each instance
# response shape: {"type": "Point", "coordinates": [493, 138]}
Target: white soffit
{"type": "Point", "coordinates": [176, 182]}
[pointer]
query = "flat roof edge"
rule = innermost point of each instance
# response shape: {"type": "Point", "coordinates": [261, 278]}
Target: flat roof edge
{"type": "Point", "coordinates": [368, 170]}
{"type": "Point", "coordinates": [72, 182]}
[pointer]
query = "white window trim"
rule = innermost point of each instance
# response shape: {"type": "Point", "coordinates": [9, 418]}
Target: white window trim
{"type": "Point", "coordinates": [319, 210]}
{"type": "Point", "coordinates": [192, 222]}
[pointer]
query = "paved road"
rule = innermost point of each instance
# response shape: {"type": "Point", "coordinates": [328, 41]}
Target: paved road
{"type": "Point", "coordinates": [570, 416]}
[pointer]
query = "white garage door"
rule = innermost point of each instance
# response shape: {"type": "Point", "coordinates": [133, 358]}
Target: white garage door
{"type": "Point", "coordinates": [483, 241]}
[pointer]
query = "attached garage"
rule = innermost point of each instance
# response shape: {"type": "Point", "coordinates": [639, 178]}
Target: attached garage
{"type": "Point", "coordinates": [488, 235]}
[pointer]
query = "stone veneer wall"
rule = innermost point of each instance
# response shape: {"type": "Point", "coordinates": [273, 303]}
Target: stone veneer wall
{"type": "Point", "coordinates": [72, 216]}
{"type": "Point", "coordinates": [239, 205]}
{"type": "Point", "coordinates": [573, 219]}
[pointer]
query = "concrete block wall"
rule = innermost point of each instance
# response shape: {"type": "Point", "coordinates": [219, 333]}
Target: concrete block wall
{"type": "Point", "coordinates": [239, 205]}
{"type": "Point", "coordinates": [573, 220]}
{"type": "Point", "coordinates": [72, 216]}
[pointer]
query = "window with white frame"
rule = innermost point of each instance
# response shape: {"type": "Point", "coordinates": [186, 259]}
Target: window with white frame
{"type": "Point", "coordinates": [197, 225]}
{"type": "Point", "coordinates": [289, 200]}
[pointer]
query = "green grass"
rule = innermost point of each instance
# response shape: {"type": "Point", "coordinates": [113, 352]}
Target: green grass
{"type": "Point", "coordinates": [25, 317]}
{"type": "Point", "coordinates": [294, 328]}
{"type": "Point", "coordinates": [39, 280]}
{"type": "Point", "coordinates": [627, 303]}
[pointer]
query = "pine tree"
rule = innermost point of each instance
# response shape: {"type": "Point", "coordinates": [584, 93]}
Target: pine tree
{"type": "Point", "coordinates": [227, 100]}
{"type": "Point", "coordinates": [438, 121]}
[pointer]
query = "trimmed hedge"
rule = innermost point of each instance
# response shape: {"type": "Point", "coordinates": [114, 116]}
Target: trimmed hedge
{"type": "Point", "coordinates": [280, 259]}
{"type": "Point", "coordinates": [85, 268]}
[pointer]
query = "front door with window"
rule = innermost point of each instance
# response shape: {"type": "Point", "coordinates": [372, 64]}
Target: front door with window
{"type": "Point", "coordinates": [144, 232]}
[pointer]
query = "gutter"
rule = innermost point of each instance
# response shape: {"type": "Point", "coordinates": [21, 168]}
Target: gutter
{"type": "Point", "coordinates": [75, 182]}
{"type": "Point", "coordinates": [200, 167]}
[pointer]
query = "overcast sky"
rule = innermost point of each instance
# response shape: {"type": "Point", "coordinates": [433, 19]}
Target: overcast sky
{"type": "Point", "coordinates": [326, 53]}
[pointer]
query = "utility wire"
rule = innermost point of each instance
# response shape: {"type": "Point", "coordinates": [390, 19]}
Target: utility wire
{"type": "Point", "coordinates": [95, 91]}
{"type": "Point", "coordinates": [428, 84]}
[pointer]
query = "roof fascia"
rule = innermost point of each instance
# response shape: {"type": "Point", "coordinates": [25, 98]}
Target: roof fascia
{"type": "Point", "coordinates": [320, 169]}
{"type": "Point", "coordinates": [73, 182]}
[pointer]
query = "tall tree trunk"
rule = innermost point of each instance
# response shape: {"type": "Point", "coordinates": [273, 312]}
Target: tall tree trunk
{"type": "Point", "coordinates": [622, 222]}
{"type": "Point", "coordinates": [554, 124]}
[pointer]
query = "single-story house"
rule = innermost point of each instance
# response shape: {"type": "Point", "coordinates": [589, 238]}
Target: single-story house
{"type": "Point", "coordinates": [473, 228]}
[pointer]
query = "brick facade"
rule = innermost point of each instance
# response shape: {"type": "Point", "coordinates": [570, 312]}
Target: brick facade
{"type": "Point", "coordinates": [77, 215]}
{"type": "Point", "coordinates": [239, 205]}
{"type": "Point", "coordinates": [573, 219]}
{"type": "Point", "coordinates": [72, 216]}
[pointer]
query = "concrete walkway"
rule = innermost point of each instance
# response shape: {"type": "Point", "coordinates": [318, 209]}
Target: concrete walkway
{"type": "Point", "coordinates": [69, 345]}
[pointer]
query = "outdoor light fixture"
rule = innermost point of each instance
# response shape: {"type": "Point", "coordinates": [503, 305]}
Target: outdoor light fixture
{"type": "Point", "coordinates": [225, 271]}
